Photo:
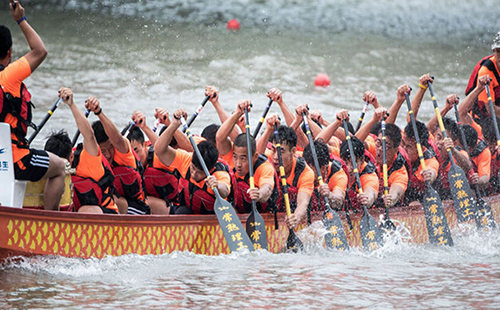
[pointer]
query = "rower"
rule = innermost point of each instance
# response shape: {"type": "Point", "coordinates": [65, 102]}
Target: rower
{"type": "Point", "coordinates": [126, 165]}
{"type": "Point", "coordinates": [195, 187]}
{"type": "Point", "coordinates": [16, 108]}
{"type": "Point", "coordinates": [299, 176]}
{"type": "Point", "coordinates": [335, 178]}
{"type": "Point", "coordinates": [417, 176]}
{"type": "Point", "coordinates": [93, 178]}
{"type": "Point", "coordinates": [265, 192]}
{"type": "Point", "coordinates": [367, 174]}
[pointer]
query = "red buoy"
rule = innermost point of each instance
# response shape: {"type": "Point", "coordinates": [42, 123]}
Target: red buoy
{"type": "Point", "coordinates": [322, 80]}
{"type": "Point", "coordinates": [233, 24]}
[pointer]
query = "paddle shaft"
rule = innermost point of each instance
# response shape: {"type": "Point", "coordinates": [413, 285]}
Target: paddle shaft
{"type": "Point", "coordinates": [492, 112]}
{"type": "Point", "coordinates": [415, 132]}
{"type": "Point", "coordinates": [316, 162]}
{"type": "Point", "coordinates": [44, 120]}
{"type": "Point", "coordinates": [353, 162]}
{"type": "Point", "coordinates": [440, 121]}
{"type": "Point", "coordinates": [197, 152]}
{"type": "Point", "coordinates": [384, 172]}
{"type": "Point", "coordinates": [292, 238]}
{"type": "Point", "coordinates": [250, 158]}
{"type": "Point", "coordinates": [127, 128]}
{"type": "Point", "coordinates": [360, 121]}
{"type": "Point", "coordinates": [196, 113]}
{"type": "Point", "coordinates": [262, 119]}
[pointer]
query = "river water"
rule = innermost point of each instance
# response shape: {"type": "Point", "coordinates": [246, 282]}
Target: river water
{"type": "Point", "coordinates": [138, 55]}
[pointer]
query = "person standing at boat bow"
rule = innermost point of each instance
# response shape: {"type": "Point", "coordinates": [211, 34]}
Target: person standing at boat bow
{"type": "Point", "coordinates": [195, 187]}
{"type": "Point", "coordinates": [15, 109]}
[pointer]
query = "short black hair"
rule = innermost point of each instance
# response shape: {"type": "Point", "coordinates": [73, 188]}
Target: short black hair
{"type": "Point", "coordinates": [423, 133]}
{"type": "Point", "coordinates": [5, 41]}
{"type": "Point", "coordinates": [241, 141]}
{"type": "Point", "coordinates": [209, 153]}
{"type": "Point", "coordinates": [358, 147]}
{"type": "Point", "coordinates": [210, 132]}
{"type": "Point", "coordinates": [322, 152]}
{"type": "Point", "coordinates": [488, 129]}
{"type": "Point", "coordinates": [393, 132]}
{"type": "Point", "coordinates": [376, 128]}
{"type": "Point", "coordinates": [173, 142]}
{"type": "Point", "coordinates": [287, 136]}
{"type": "Point", "coordinates": [452, 128]}
{"type": "Point", "coordinates": [99, 132]}
{"type": "Point", "coordinates": [470, 136]}
{"type": "Point", "coordinates": [136, 134]}
{"type": "Point", "coordinates": [59, 143]}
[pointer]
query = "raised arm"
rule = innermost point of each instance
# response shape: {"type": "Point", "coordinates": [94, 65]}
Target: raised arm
{"type": "Point", "coordinates": [277, 97]}
{"type": "Point", "coordinates": [396, 106]}
{"type": "Point", "coordinates": [295, 125]}
{"type": "Point", "coordinates": [222, 137]}
{"type": "Point", "coordinates": [140, 121]}
{"type": "Point", "coordinates": [268, 132]}
{"type": "Point", "coordinates": [182, 140]}
{"type": "Point", "coordinates": [223, 115]}
{"type": "Point", "coordinates": [334, 127]}
{"type": "Point", "coordinates": [89, 141]}
{"type": "Point", "coordinates": [468, 102]}
{"type": "Point", "coordinates": [163, 150]}
{"type": "Point", "coordinates": [423, 84]}
{"type": "Point", "coordinates": [119, 142]}
{"type": "Point", "coordinates": [431, 125]}
{"type": "Point", "coordinates": [38, 51]}
{"type": "Point", "coordinates": [365, 130]}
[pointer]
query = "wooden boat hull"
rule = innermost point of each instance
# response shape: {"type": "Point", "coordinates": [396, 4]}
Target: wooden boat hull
{"type": "Point", "coordinates": [38, 232]}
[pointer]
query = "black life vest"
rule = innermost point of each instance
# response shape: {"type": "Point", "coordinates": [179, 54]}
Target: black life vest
{"type": "Point", "coordinates": [353, 192]}
{"type": "Point", "coordinates": [317, 203]}
{"type": "Point", "coordinates": [243, 203]}
{"type": "Point", "coordinates": [480, 147]}
{"type": "Point", "coordinates": [478, 109]}
{"type": "Point", "coordinates": [159, 182]}
{"type": "Point", "coordinates": [293, 190]}
{"type": "Point", "coordinates": [198, 198]}
{"type": "Point", "coordinates": [128, 180]}
{"type": "Point", "coordinates": [88, 191]}
{"type": "Point", "coordinates": [21, 110]}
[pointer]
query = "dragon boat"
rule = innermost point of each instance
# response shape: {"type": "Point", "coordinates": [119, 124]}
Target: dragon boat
{"type": "Point", "coordinates": [28, 232]}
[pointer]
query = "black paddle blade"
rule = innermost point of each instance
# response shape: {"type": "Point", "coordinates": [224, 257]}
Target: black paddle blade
{"type": "Point", "coordinates": [256, 230]}
{"type": "Point", "coordinates": [236, 236]}
{"type": "Point", "coordinates": [293, 243]}
{"type": "Point", "coordinates": [484, 218]}
{"type": "Point", "coordinates": [387, 224]}
{"type": "Point", "coordinates": [335, 238]}
{"type": "Point", "coordinates": [371, 236]}
{"type": "Point", "coordinates": [463, 200]}
{"type": "Point", "coordinates": [437, 224]}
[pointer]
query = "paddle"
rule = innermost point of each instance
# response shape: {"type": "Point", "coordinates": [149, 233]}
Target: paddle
{"type": "Point", "coordinates": [387, 224]}
{"type": "Point", "coordinates": [127, 128]}
{"type": "Point", "coordinates": [371, 237]}
{"type": "Point", "coordinates": [293, 242]}
{"type": "Point", "coordinates": [437, 224]}
{"type": "Point", "coordinates": [255, 226]}
{"type": "Point", "coordinates": [335, 237]}
{"type": "Point", "coordinates": [346, 210]}
{"type": "Point", "coordinates": [484, 214]}
{"type": "Point", "coordinates": [493, 118]}
{"type": "Point", "coordinates": [464, 203]}
{"type": "Point", "coordinates": [261, 121]}
{"type": "Point", "coordinates": [77, 133]}
{"type": "Point", "coordinates": [361, 117]}
{"type": "Point", "coordinates": [234, 233]}
{"type": "Point", "coordinates": [44, 120]}
{"type": "Point", "coordinates": [197, 112]}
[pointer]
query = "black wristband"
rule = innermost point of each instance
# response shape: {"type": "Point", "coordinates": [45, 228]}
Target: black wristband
{"type": "Point", "coordinates": [98, 112]}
